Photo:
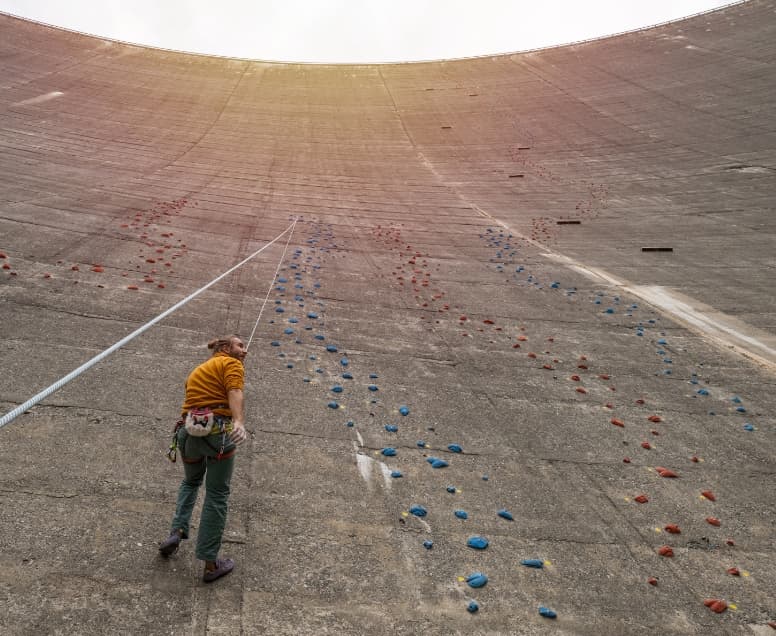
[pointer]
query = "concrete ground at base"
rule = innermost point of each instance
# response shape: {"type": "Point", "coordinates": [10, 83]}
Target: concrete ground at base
{"type": "Point", "coordinates": [428, 257]}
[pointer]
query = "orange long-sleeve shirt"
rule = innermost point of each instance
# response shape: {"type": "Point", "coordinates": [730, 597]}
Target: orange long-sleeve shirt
{"type": "Point", "coordinates": [209, 384]}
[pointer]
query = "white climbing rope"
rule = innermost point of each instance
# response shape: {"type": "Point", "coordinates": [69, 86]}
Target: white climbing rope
{"type": "Point", "coordinates": [12, 415]}
{"type": "Point", "coordinates": [271, 283]}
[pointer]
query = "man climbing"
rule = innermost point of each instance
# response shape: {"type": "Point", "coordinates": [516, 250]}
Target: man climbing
{"type": "Point", "coordinates": [214, 426]}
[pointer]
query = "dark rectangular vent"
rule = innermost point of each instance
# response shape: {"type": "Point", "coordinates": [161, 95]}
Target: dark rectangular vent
{"type": "Point", "coordinates": [446, 127]}
{"type": "Point", "coordinates": [657, 249]}
{"type": "Point", "coordinates": [516, 176]}
{"type": "Point", "coordinates": [569, 222]}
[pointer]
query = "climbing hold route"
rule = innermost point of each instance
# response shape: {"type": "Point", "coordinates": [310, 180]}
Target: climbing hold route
{"type": "Point", "coordinates": [477, 579]}
{"type": "Point", "coordinates": [477, 542]}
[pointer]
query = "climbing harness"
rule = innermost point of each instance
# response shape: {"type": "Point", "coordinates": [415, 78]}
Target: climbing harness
{"type": "Point", "coordinates": [13, 414]}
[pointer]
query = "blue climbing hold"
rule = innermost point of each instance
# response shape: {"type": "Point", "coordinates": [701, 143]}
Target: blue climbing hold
{"type": "Point", "coordinates": [485, 478]}
{"type": "Point", "coordinates": [472, 607]}
{"type": "Point", "coordinates": [333, 405]}
{"type": "Point", "coordinates": [372, 376]}
{"type": "Point", "coordinates": [418, 511]}
{"type": "Point", "coordinates": [404, 410]}
{"type": "Point", "coordinates": [477, 542]}
{"type": "Point", "coordinates": [740, 409]}
{"type": "Point", "coordinates": [372, 387]}
{"type": "Point", "coordinates": [477, 579]}
{"type": "Point", "coordinates": [313, 358]}
{"type": "Point", "coordinates": [288, 331]}
{"type": "Point", "coordinates": [532, 563]}
{"type": "Point", "coordinates": [350, 424]}
{"type": "Point", "coordinates": [389, 452]}
{"type": "Point", "coordinates": [305, 379]}
{"type": "Point", "coordinates": [436, 462]}
{"type": "Point", "coordinates": [312, 315]}
{"type": "Point", "coordinates": [282, 280]}
{"type": "Point", "coordinates": [702, 392]}
{"type": "Point", "coordinates": [662, 341]}
{"type": "Point", "coordinates": [396, 474]}
{"type": "Point", "coordinates": [505, 514]}
{"type": "Point", "coordinates": [454, 448]}
{"type": "Point", "coordinates": [735, 400]}
{"type": "Point", "coordinates": [461, 514]}
{"type": "Point", "coordinates": [420, 443]}
{"type": "Point", "coordinates": [293, 321]}
{"type": "Point", "coordinates": [748, 427]}
{"type": "Point", "coordinates": [547, 612]}
{"type": "Point", "coordinates": [289, 366]}
{"type": "Point", "coordinates": [451, 489]}
{"type": "Point", "coordinates": [609, 310]}
{"type": "Point", "coordinates": [279, 310]}
{"type": "Point", "coordinates": [428, 544]}
{"type": "Point", "coordinates": [331, 348]}
{"type": "Point", "coordinates": [336, 389]}
{"type": "Point", "coordinates": [320, 337]}
{"type": "Point", "coordinates": [275, 343]}
{"type": "Point", "coordinates": [391, 428]}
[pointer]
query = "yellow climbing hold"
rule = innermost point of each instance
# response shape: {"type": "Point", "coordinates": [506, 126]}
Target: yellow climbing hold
{"type": "Point", "coordinates": [745, 573]}
{"type": "Point", "coordinates": [405, 513]}
{"type": "Point", "coordinates": [658, 530]}
{"type": "Point", "coordinates": [548, 563]}
{"type": "Point", "coordinates": [732, 606]}
{"type": "Point", "coordinates": [461, 579]}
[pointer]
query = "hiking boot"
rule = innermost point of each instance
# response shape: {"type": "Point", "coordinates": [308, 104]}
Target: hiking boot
{"type": "Point", "coordinates": [223, 567]}
{"type": "Point", "coordinates": [169, 546]}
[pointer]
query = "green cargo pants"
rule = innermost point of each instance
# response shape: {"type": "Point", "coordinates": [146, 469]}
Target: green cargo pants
{"type": "Point", "coordinates": [217, 474]}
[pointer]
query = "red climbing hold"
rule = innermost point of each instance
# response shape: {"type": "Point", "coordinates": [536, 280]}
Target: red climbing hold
{"type": "Point", "coordinates": [581, 390]}
{"type": "Point", "coordinates": [672, 528]}
{"type": "Point", "coordinates": [655, 418]}
{"type": "Point", "coordinates": [487, 321]}
{"type": "Point", "coordinates": [617, 422]}
{"type": "Point", "coordinates": [515, 346]}
{"type": "Point", "coordinates": [734, 571]}
{"type": "Point", "coordinates": [98, 269]}
{"type": "Point", "coordinates": [666, 551]}
{"type": "Point", "coordinates": [463, 318]}
{"type": "Point", "coordinates": [713, 521]}
{"type": "Point", "coordinates": [75, 268]}
{"type": "Point", "coordinates": [709, 495]}
{"type": "Point", "coordinates": [531, 355]}
{"type": "Point", "coordinates": [716, 605]}
{"type": "Point", "coordinates": [646, 445]}
{"type": "Point", "coordinates": [652, 580]}
{"type": "Point", "coordinates": [132, 287]}
{"type": "Point", "coordinates": [665, 472]}
{"type": "Point", "coordinates": [641, 499]}
{"type": "Point", "coordinates": [639, 401]}
{"type": "Point", "coordinates": [603, 376]}
{"type": "Point", "coordinates": [694, 459]}
{"type": "Point", "coordinates": [549, 367]}
{"type": "Point", "coordinates": [730, 541]}
{"type": "Point", "coordinates": [582, 366]}
{"type": "Point", "coordinates": [575, 377]}
{"type": "Point", "coordinates": [626, 460]}
{"type": "Point", "coordinates": [609, 405]}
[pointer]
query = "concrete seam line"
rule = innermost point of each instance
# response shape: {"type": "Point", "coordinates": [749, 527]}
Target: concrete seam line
{"type": "Point", "coordinates": [12, 415]}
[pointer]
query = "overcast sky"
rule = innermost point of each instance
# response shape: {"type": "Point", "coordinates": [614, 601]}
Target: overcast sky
{"type": "Point", "coordinates": [355, 31]}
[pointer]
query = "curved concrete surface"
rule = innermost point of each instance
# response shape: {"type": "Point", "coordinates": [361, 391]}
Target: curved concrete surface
{"type": "Point", "coordinates": [471, 233]}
